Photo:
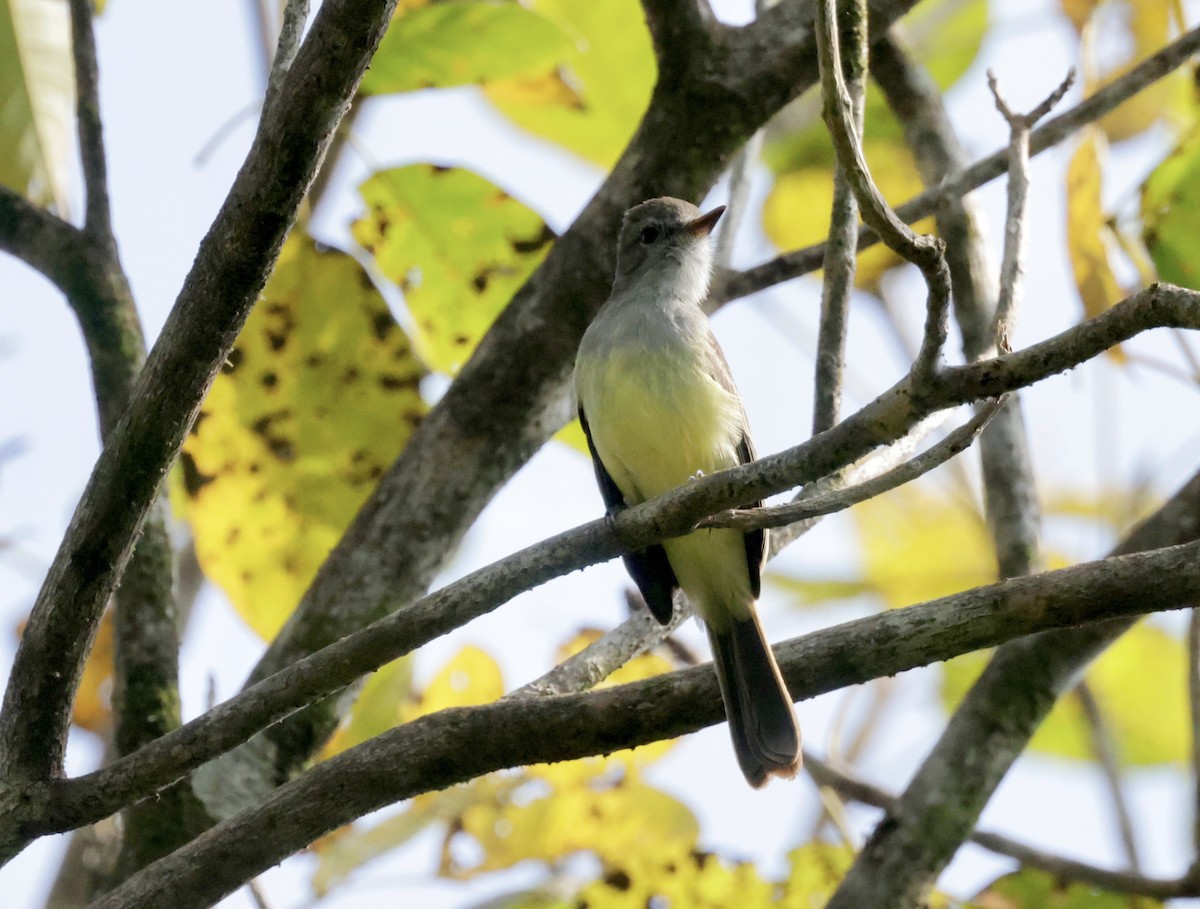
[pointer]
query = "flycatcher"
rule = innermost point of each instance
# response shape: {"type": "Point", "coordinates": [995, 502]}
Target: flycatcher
{"type": "Point", "coordinates": [658, 405]}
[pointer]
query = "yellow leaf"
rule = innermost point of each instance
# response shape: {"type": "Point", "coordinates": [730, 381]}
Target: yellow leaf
{"type": "Point", "coordinates": [37, 101]}
{"type": "Point", "coordinates": [572, 436]}
{"type": "Point", "coordinates": [796, 213]}
{"type": "Point", "coordinates": [816, 870]}
{"type": "Point", "coordinates": [1170, 202]}
{"type": "Point", "coordinates": [1086, 246]}
{"type": "Point", "coordinates": [1149, 26]}
{"type": "Point", "coordinates": [609, 819]}
{"type": "Point", "coordinates": [917, 547]}
{"type": "Point", "coordinates": [1031, 888]}
{"type": "Point", "coordinates": [671, 875]}
{"type": "Point", "coordinates": [593, 102]}
{"type": "Point", "coordinates": [472, 677]}
{"type": "Point", "coordinates": [92, 708]}
{"type": "Point", "coordinates": [1079, 11]}
{"type": "Point", "coordinates": [318, 397]}
{"type": "Point", "coordinates": [456, 245]}
{"type": "Point", "coordinates": [376, 709]}
{"type": "Point", "coordinates": [1139, 684]}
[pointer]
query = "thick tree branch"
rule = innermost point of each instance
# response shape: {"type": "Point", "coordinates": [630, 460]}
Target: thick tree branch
{"type": "Point", "coordinates": [230, 268]}
{"type": "Point", "coordinates": [803, 261]}
{"type": "Point", "coordinates": [677, 512]}
{"type": "Point", "coordinates": [456, 745]}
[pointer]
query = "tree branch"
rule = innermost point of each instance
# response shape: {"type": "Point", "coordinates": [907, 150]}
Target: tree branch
{"type": "Point", "coordinates": [459, 744]}
{"type": "Point", "coordinates": [925, 252]}
{"type": "Point", "coordinates": [803, 261]}
{"type": "Point", "coordinates": [230, 268]}
{"type": "Point", "coordinates": [330, 669]}
{"type": "Point", "coordinates": [1011, 283]}
{"type": "Point", "coordinates": [841, 247]}
{"type": "Point", "coordinates": [832, 502]}
{"type": "Point", "coordinates": [991, 727]}
{"type": "Point", "coordinates": [1061, 867]}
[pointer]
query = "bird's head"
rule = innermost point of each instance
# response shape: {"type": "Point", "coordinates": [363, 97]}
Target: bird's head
{"type": "Point", "coordinates": [666, 240]}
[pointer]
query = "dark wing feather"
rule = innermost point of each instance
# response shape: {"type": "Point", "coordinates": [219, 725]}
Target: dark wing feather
{"type": "Point", "coordinates": [649, 567]}
{"type": "Point", "coordinates": [756, 540]}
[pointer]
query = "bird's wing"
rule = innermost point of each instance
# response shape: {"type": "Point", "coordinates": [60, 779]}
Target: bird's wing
{"type": "Point", "coordinates": [756, 540]}
{"type": "Point", "coordinates": [648, 567]}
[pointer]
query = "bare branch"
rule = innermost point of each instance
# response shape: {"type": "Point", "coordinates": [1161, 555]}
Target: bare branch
{"type": "Point", "coordinates": [1104, 750]}
{"type": "Point", "coordinates": [832, 502]}
{"type": "Point", "coordinates": [1011, 283]}
{"type": "Point", "coordinates": [840, 250]}
{"type": "Point", "coordinates": [291, 30]}
{"type": "Point", "coordinates": [230, 268]}
{"type": "Point", "coordinates": [640, 632]}
{"type": "Point", "coordinates": [987, 732]}
{"type": "Point", "coordinates": [923, 251]}
{"type": "Point", "coordinates": [454, 745]}
{"type": "Point", "coordinates": [97, 218]}
{"type": "Point", "coordinates": [1061, 867]}
{"type": "Point", "coordinates": [803, 261]}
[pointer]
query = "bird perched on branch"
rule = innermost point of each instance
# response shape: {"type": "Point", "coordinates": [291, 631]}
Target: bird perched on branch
{"type": "Point", "coordinates": [658, 405]}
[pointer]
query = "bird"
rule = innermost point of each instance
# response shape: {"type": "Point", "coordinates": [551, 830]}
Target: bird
{"type": "Point", "coordinates": [658, 405]}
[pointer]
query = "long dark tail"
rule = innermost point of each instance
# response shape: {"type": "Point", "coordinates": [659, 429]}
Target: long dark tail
{"type": "Point", "coordinates": [762, 723]}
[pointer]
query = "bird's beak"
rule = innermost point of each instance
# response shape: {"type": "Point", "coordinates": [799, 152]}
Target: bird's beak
{"type": "Point", "coordinates": [702, 226]}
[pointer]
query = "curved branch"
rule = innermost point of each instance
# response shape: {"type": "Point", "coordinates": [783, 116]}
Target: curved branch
{"type": "Point", "coordinates": [230, 268]}
{"type": "Point", "coordinates": [807, 260]}
{"type": "Point", "coordinates": [459, 744]}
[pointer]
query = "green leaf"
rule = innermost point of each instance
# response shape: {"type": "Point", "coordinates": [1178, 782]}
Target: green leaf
{"type": "Point", "coordinates": [592, 103]}
{"type": "Point", "coordinates": [37, 99]}
{"type": "Point", "coordinates": [1033, 889]}
{"type": "Point", "coordinates": [461, 42]}
{"type": "Point", "coordinates": [945, 36]}
{"type": "Point", "coordinates": [317, 399]}
{"type": "Point", "coordinates": [457, 246]}
{"type": "Point", "coordinates": [1170, 207]}
{"type": "Point", "coordinates": [1139, 684]}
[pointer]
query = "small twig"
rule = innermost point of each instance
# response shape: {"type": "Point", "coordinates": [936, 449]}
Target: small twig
{"type": "Point", "coordinates": [803, 261]}
{"type": "Point", "coordinates": [841, 247]}
{"type": "Point", "coordinates": [1106, 757]}
{"type": "Point", "coordinates": [1011, 285]}
{"type": "Point", "coordinates": [829, 503]}
{"type": "Point", "coordinates": [97, 217]}
{"type": "Point", "coordinates": [1060, 866]}
{"type": "Point", "coordinates": [923, 251]}
{"type": "Point", "coordinates": [291, 31]}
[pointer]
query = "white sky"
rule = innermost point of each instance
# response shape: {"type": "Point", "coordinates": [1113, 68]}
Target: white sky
{"type": "Point", "coordinates": [172, 75]}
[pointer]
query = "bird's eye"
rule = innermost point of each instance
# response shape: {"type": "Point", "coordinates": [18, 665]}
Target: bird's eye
{"type": "Point", "coordinates": [648, 235]}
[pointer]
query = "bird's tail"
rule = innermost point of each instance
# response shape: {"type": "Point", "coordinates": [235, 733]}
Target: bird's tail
{"type": "Point", "coordinates": [762, 723]}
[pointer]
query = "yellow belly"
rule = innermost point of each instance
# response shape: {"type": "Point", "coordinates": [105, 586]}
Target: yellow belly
{"type": "Point", "coordinates": [656, 421]}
